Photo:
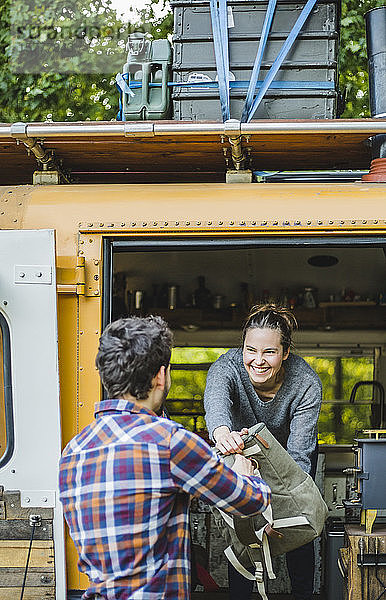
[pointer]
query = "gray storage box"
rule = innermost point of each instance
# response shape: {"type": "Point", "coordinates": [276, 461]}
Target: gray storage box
{"type": "Point", "coordinates": [246, 18]}
{"type": "Point", "coordinates": [313, 57]}
{"type": "Point", "coordinates": [280, 105]}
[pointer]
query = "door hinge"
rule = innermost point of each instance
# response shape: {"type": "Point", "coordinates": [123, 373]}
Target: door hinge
{"type": "Point", "coordinates": [71, 280]}
{"type": "Point", "coordinates": [80, 275]}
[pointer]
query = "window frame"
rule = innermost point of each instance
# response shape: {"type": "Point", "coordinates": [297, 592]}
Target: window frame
{"type": "Point", "coordinates": [8, 396]}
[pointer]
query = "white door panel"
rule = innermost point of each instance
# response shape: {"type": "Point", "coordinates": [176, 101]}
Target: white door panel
{"type": "Point", "coordinates": [28, 304]}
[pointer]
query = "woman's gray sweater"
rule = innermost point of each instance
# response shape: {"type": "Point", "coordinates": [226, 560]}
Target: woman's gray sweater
{"type": "Point", "coordinates": [291, 416]}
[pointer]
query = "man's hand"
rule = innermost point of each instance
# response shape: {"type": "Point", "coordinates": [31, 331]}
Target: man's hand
{"type": "Point", "coordinates": [229, 442]}
{"type": "Point", "coordinates": [242, 465]}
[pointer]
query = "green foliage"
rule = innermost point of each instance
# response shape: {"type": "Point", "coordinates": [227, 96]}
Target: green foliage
{"type": "Point", "coordinates": [338, 421]}
{"type": "Point", "coordinates": [42, 81]}
{"type": "Point", "coordinates": [353, 79]}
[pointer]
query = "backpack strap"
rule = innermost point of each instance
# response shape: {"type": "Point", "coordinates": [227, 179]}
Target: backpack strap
{"type": "Point", "coordinates": [231, 556]}
{"type": "Point", "coordinates": [260, 580]}
{"type": "Point", "coordinates": [259, 571]}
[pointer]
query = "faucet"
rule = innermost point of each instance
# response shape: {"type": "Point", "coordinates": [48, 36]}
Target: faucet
{"type": "Point", "coordinates": [374, 384]}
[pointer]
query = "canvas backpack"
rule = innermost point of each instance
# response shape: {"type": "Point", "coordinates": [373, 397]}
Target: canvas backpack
{"type": "Point", "coordinates": [295, 516]}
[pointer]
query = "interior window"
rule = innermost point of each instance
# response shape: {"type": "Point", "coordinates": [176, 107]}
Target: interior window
{"type": "Point", "coordinates": [339, 419]}
{"type": "Point", "coordinates": [186, 395]}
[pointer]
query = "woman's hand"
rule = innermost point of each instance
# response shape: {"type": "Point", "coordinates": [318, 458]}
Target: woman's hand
{"type": "Point", "coordinates": [243, 466]}
{"type": "Point", "coordinates": [229, 442]}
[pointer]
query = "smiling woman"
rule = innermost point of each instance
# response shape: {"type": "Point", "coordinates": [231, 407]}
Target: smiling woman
{"type": "Point", "coordinates": [264, 382]}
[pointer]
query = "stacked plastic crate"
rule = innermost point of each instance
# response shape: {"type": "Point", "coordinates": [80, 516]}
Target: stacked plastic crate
{"type": "Point", "coordinates": [305, 86]}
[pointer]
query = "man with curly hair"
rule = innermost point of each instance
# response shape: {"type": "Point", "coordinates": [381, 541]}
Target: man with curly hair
{"type": "Point", "coordinates": [126, 479]}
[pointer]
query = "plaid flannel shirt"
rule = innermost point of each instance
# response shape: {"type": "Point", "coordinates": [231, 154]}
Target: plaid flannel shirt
{"type": "Point", "coordinates": [125, 484]}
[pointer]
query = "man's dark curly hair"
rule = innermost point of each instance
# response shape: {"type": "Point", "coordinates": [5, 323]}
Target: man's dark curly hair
{"type": "Point", "coordinates": [131, 352]}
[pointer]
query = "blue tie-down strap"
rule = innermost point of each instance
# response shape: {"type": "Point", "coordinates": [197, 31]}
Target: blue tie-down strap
{"type": "Point", "coordinates": [218, 15]}
{"type": "Point", "coordinates": [123, 87]}
{"type": "Point", "coordinates": [286, 47]}
{"type": "Point", "coordinates": [259, 58]}
{"type": "Point", "coordinates": [243, 85]}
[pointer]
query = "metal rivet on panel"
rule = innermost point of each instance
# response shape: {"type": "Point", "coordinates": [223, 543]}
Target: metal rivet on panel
{"type": "Point", "coordinates": [296, 222]}
{"type": "Point", "coordinates": [166, 223]}
{"type": "Point", "coordinates": [275, 223]}
{"type": "Point", "coordinates": [353, 222]}
{"type": "Point", "coordinates": [123, 224]}
{"type": "Point", "coordinates": [198, 223]}
{"type": "Point", "coordinates": [155, 223]}
{"type": "Point", "coordinates": [242, 223]}
{"type": "Point", "coordinates": [110, 225]}
{"type": "Point", "coordinates": [331, 222]}
{"type": "Point", "coordinates": [364, 222]}
{"type": "Point", "coordinates": [341, 222]}
{"type": "Point", "coordinates": [209, 222]}
{"type": "Point", "coordinates": [177, 223]}
{"type": "Point", "coordinates": [133, 223]}
{"type": "Point", "coordinates": [320, 222]}
{"type": "Point", "coordinates": [286, 223]}
{"type": "Point", "coordinates": [231, 222]}
{"type": "Point", "coordinates": [89, 224]}
{"type": "Point", "coordinates": [187, 223]}
{"type": "Point", "coordinates": [264, 222]}
{"type": "Point", "coordinates": [308, 222]}
{"type": "Point", "coordinates": [221, 222]}
{"type": "Point", "coordinates": [376, 222]}
{"type": "Point", "coordinates": [144, 224]}
{"type": "Point", "coordinates": [101, 224]}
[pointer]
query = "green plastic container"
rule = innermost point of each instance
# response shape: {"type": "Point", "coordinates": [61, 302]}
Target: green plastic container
{"type": "Point", "coordinates": [148, 62]}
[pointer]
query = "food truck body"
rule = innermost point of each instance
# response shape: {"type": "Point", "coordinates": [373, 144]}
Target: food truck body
{"type": "Point", "coordinates": [76, 256]}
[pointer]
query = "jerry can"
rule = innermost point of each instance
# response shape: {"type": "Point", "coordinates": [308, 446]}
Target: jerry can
{"type": "Point", "coordinates": [147, 74]}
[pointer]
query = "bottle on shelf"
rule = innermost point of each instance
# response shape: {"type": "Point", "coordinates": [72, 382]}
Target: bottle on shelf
{"type": "Point", "coordinates": [284, 298]}
{"type": "Point", "coordinates": [309, 298]}
{"type": "Point", "coordinates": [246, 296]}
{"type": "Point", "coordinates": [202, 296]}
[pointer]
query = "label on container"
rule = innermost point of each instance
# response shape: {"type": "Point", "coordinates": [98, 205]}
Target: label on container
{"type": "Point", "coordinates": [231, 22]}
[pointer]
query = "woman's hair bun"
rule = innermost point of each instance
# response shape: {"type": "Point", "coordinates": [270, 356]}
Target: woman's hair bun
{"type": "Point", "coordinates": [272, 316]}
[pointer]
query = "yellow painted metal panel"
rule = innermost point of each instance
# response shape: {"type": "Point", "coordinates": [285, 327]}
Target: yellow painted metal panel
{"type": "Point", "coordinates": [64, 207]}
{"type": "Point", "coordinates": [67, 337]}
